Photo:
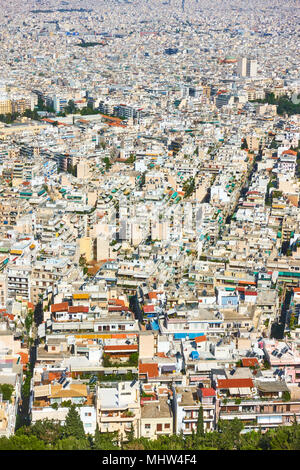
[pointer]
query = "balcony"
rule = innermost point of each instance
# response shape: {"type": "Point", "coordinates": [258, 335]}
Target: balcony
{"type": "Point", "coordinates": [260, 412]}
{"type": "Point", "coordinates": [194, 419]}
{"type": "Point", "coordinates": [117, 417]}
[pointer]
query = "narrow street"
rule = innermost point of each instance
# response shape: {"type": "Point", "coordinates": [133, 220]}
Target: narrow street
{"type": "Point", "coordinates": [277, 329]}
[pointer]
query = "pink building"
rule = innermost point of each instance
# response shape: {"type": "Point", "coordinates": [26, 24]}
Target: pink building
{"type": "Point", "coordinates": [283, 358]}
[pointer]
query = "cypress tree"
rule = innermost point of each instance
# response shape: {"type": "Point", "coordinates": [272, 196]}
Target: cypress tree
{"type": "Point", "coordinates": [73, 425]}
{"type": "Point", "coordinates": [200, 423]}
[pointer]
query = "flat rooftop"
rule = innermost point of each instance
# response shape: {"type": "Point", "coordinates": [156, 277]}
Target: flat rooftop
{"type": "Point", "coordinates": [157, 409]}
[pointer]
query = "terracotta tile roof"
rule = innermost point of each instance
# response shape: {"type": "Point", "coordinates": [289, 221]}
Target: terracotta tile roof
{"type": "Point", "coordinates": [9, 316]}
{"type": "Point", "coordinates": [117, 308]}
{"type": "Point", "coordinates": [62, 307]}
{"type": "Point", "coordinates": [150, 369]}
{"type": "Point", "coordinates": [208, 392]}
{"type": "Point", "coordinates": [75, 390]}
{"type": "Point", "coordinates": [152, 295]}
{"type": "Point", "coordinates": [24, 357]}
{"type": "Point", "coordinates": [121, 347]}
{"type": "Point", "coordinates": [249, 361]}
{"type": "Point", "coordinates": [200, 339]}
{"type": "Point", "coordinates": [161, 354]}
{"type": "Point", "coordinates": [54, 376]}
{"type": "Point", "coordinates": [149, 308]}
{"type": "Point", "coordinates": [235, 383]}
{"type": "Point", "coordinates": [79, 309]}
{"type": "Point", "coordinates": [118, 302]}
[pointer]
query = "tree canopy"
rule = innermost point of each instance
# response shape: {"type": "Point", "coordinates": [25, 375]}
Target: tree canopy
{"type": "Point", "coordinates": [51, 435]}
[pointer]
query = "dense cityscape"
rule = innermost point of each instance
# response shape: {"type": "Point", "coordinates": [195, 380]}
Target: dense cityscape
{"type": "Point", "coordinates": [149, 225]}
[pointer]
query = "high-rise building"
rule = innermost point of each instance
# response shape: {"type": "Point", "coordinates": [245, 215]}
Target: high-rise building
{"type": "Point", "coordinates": [242, 67]}
{"type": "Point", "coordinates": [251, 68]}
{"type": "Point", "coordinates": [247, 67]}
{"type": "Point", "coordinates": [5, 105]}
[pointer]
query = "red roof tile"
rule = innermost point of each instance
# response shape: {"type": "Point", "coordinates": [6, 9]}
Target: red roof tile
{"type": "Point", "coordinates": [117, 308]}
{"type": "Point", "coordinates": [161, 354]}
{"type": "Point", "coordinates": [24, 357]}
{"type": "Point", "coordinates": [200, 339]}
{"type": "Point", "coordinates": [62, 307]}
{"type": "Point", "coordinates": [116, 302]}
{"type": "Point", "coordinates": [249, 361]}
{"type": "Point", "coordinates": [150, 369]}
{"type": "Point", "coordinates": [9, 316]}
{"type": "Point", "coordinates": [148, 308]}
{"type": "Point", "coordinates": [79, 309]}
{"type": "Point", "coordinates": [152, 295]}
{"type": "Point", "coordinates": [208, 392]}
{"type": "Point", "coordinates": [235, 383]}
{"type": "Point", "coordinates": [121, 347]}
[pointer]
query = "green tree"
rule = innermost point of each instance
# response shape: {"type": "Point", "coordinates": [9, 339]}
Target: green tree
{"type": "Point", "coordinates": [22, 443]}
{"type": "Point", "coordinates": [286, 396]}
{"type": "Point", "coordinates": [46, 430]}
{"type": "Point", "coordinates": [130, 434]}
{"type": "Point", "coordinates": [105, 441]}
{"type": "Point", "coordinates": [73, 424]}
{"type": "Point", "coordinates": [28, 322]}
{"type": "Point", "coordinates": [244, 145]}
{"type": "Point", "coordinates": [200, 423]}
{"type": "Point", "coordinates": [71, 108]}
{"type": "Point", "coordinates": [188, 187]}
{"type": "Point", "coordinates": [280, 438]}
{"type": "Point", "coordinates": [6, 390]}
{"type": "Point", "coordinates": [107, 163]}
{"type": "Point", "coordinates": [71, 443]}
{"type": "Point", "coordinates": [229, 434]}
{"type": "Point", "coordinates": [250, 441]}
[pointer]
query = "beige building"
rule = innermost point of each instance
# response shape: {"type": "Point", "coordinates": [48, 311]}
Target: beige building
{"type": "Point", "coordinates": [118, 409]}
{"type": "Point", "coordinates": [146, 344]}
{"type": "Point", "coordinates": [102, 249]}
{"type": "Point", "coordinates": [156, 419]}
{"type": "Point", "coordinates": [86, 248]}
{"type": "Point", "coordinates": [83, 169]}
{"type": "Point", "coordinates": [5, 106]}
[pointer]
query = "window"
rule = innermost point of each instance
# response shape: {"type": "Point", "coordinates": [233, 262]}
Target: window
{"type": "Point", "coordinates": [159, 427]}
{"type": "Point", "coordinates": [147, 426]}
{"type": "Point", "coordinates": [167, 426]}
